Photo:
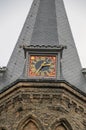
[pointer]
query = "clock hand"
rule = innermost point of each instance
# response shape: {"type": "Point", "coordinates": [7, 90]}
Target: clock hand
{"type": "Point", "coordinates": [46, 65]}
{"type": "Point", "coordinates": [40, 67]}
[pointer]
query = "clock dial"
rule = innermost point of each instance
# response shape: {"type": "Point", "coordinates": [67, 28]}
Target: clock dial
{"type": "Point", "coordinates": [44, 66]}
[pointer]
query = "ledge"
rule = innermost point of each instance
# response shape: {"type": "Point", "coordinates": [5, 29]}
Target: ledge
{"type": "Point", "coordinates": [3, 69]}
{"type": "Point", "coordinates": [84, 71]}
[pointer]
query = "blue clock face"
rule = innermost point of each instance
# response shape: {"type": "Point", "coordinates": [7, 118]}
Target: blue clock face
{"type": "Point", "coordinates": [44, 66]}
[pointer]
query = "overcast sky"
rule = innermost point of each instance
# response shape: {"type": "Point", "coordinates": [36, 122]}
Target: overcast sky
{"type": "Point", "coordinates": [12, 17]}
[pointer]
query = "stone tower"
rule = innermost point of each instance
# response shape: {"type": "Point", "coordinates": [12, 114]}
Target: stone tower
{"type": "Point", "coordinates": [43, 86]}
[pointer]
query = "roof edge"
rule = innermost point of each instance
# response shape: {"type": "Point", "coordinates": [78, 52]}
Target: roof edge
{"type": "Point", "coordinates": [43, 81]}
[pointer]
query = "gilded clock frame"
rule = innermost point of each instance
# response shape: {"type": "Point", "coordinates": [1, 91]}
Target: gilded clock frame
{"type": "Point", "coordinates": [49, 72]}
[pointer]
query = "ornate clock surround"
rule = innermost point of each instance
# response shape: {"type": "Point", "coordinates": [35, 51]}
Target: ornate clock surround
{"type": "Point", "coordinates": [43, 62]}
{"type": "Point", "coordinates": [43, 65]}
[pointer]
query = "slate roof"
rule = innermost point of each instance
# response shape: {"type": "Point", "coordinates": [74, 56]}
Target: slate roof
{"type": "Point", "coordinates": [46, 24]}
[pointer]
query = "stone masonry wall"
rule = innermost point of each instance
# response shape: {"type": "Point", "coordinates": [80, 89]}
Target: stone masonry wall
{"type": "Point", "coordinates": [42, 109]}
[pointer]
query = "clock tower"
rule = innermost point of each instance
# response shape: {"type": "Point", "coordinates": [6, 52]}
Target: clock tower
{"type": "Point", "coordinates": [43, 86]}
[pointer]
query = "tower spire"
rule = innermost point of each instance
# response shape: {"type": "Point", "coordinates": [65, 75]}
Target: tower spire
{"type": "Point", "coordinates": [46, 24]}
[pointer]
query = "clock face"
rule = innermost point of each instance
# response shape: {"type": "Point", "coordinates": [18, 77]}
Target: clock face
{"type": "Point", "coordinates": [44, 66]}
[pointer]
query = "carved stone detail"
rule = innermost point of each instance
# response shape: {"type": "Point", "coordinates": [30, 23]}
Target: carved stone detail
{"type": "Point", "coordinates": [55, 101]}
{"type": "Point", "coordinates": [47, 104]}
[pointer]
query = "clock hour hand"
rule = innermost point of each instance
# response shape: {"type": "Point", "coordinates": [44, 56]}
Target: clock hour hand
{"type": "Point", "coordinates": [46, 65]}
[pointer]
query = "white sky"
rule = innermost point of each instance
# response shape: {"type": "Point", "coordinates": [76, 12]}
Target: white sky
{"type": "Point", "coordinates": [12, 17]}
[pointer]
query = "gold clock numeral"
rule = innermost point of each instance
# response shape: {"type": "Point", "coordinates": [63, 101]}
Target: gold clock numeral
{"type": "Point", "coordinates": [33, 70]}
{"type": "Point", "coordinates": [32, 58]}
{"type": "Point", "coordinates": [32, 65]}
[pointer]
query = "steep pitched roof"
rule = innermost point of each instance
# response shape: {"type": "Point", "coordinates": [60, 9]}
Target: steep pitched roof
{"type": "Point", "coordinates": [46, 24]}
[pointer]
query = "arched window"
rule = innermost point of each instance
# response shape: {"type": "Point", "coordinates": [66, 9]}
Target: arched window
{"type": "Point", "coordinates": [61, 124]}
{"type": "Point", "coordinates": [30, 123]}
{"type": "Point", "coordinates": [60, 127]}
{"type": "Point", "coordinates": [30, 126]}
